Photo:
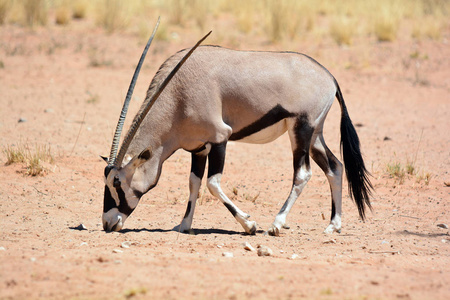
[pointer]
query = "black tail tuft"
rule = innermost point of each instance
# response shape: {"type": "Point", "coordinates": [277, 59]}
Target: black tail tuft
{"type": "Point", "coordinates": [359, 186]}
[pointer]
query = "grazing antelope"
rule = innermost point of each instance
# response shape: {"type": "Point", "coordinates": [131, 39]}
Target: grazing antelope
{"type": "Point", "coordinates": [222, 95]}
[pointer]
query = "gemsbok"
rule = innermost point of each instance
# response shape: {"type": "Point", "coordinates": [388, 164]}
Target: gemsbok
{"type": "Point", "coordinates": [220, 95]}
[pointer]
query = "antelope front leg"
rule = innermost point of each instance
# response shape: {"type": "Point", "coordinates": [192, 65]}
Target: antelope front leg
{"type": "Point", "coordinates": [216, 159]}
{"type": "Point", "coordinates": [195, 180]}
{"type": "Point", "coordinates": [239, 215]}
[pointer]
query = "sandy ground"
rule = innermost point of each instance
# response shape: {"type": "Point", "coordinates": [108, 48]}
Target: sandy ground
{"type": "Point", "coordinates": [397, 95]}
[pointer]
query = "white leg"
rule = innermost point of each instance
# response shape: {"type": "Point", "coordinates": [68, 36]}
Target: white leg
{"type": "Point", "coordinates": [300, 134]}
{"type": "Point", "coordinates": [213, 184]}
{"type": "Point", "coordinates": [301, 179]}
{"type": "Point", "coordinates": [194, 189]}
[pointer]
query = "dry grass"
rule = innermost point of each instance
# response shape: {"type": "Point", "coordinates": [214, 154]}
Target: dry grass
{"type": "Point", "coordinates": [342, 30]}
{"type": "Point", "coordinates": [113, 15]}
{"type": "Point", "coordinates": [275, 21]}
{"type": "Point", "coordinates": [35, 12]}
{"type": "Point", "coordinates": [79, 9]}
{"type": "Point", "coordinates": [386, 28]}
{"type": "Point", "coordinates": [4, 8]}
{"type": "Point", "coordinates": [35, 159]}
{"type": "Point", "coordinates": [62, 15]}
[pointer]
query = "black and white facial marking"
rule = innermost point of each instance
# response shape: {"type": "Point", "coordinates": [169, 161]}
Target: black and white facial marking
{"type": "Point", "coordinates": [123, 189]}
{"type": "Point", "coordinates": [117, 206]}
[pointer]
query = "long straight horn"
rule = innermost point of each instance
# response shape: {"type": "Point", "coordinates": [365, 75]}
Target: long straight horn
{"type": "Point", "coordinates": [138, 119]}
{"type": "Point", "coordinates": [123, 114]}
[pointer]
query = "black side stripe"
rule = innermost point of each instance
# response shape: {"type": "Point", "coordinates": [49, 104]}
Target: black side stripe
{"type": "Point", "coordinates": [275, 115]}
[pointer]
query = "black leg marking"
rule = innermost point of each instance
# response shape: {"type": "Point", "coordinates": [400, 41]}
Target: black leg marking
{"type": "Point", "coordinates": [325, 162]}
{"type": "Point", "coordinates": [216, 159]}
{"type": "Point", "coordinates": [188, 210]}
{"type": "Point", "coordinates": [231, 209]}
{"type": "Point", "coordinates": [333, 208]}
{"type": "Point", "coordinates": [275, 115]}
{"type": "Point", "coordinates": [303, 134]}
{"type": "Point", "coordinates": [198, 163]}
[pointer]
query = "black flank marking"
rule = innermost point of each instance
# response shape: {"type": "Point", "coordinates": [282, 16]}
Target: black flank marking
{"type": "Point", "coordinates": [123, 206]}
{"type": "Point", "coordinates": [188, 210]}
{"type": "Point", "coordinates": [198, 164]}
{"type": "Point", "coordinates": [108, 200]}
{"type": "Point", "coordinates": [216, 159]}
{"type": "Point", "coordinates": [231, 209]}
{"type": "Point", "coordinates": [275, 115]}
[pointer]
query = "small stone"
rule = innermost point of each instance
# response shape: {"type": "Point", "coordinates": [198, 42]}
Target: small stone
{"type": "Point", "coordinates": [2, 249]}
{"type": "Point", "coordinates": [83, 244]}
{"type": "Point", "coordinates": [442, 225]}
{"type": "Point", "coordinates": [125, 245]}
{"type": "Point", "coordinates": [332, 241]}
{"type": "Point", "coordinates": [248, 247]}
{"type": "Point", "coordinates": [293, 256]}
{"type": "Point", "coordinates": [117, 251]}
{"type": "Point", "coordinates": [102, 259]}
{"type": "Point", "coordinates": [227, 254]}
{"type": "Point", "coordinates": [49, 110]}
{"type": "Point", "coordinates": [33, 259]}
{"type": "Point", "coordinates": [264, 251]}
{"type": "Point", "coordinates": [22, 120]}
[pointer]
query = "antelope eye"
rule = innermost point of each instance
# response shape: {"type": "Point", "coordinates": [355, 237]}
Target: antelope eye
{"type": "Point", "coordinates": [116, 182]}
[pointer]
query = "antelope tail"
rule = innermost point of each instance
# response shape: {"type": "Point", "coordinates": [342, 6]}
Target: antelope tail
{"type": "Point", "coordinates": [359, 186]}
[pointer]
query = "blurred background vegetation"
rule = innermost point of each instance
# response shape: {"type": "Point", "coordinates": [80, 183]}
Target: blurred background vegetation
{"type": "Point", "coordinates": [271, 21]}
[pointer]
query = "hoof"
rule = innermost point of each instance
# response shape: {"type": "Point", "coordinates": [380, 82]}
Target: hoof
{"type": "Point", "coordinates": [182, 229]}
{"type": "Point", "coordinates": [331, 229]}
{"type": "Point", "coordinates": [273, 231]}
{"type": "Point", "coordinates": [251, 228]}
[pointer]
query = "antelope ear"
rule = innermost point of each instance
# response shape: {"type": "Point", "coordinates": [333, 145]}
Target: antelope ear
{"type": "Point", "coordinates": [143, 157]}
{"type": "Point", "coordinates": [104, 158]}
{"type": "Point", "coordinates": [146, 154]}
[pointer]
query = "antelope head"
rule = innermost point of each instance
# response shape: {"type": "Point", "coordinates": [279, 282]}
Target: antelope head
{"type": "Point", "coordinates": [121, 195]}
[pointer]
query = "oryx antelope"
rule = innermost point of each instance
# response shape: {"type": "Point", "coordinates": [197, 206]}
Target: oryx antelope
{"type": "Point", "coordinates": [222, 95]}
